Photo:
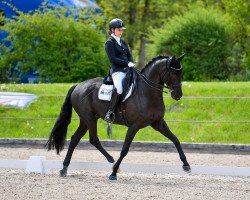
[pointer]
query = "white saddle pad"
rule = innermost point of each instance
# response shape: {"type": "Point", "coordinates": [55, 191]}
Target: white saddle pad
{"type": "Point", "coordinates": [105, 92]}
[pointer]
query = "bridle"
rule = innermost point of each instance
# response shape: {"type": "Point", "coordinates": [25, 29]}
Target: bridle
{"type": "Point", "coordinates": [164, 78]}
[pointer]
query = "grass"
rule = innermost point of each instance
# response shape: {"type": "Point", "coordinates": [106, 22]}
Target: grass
{"type": "Point", "coordinates": [194, 109]}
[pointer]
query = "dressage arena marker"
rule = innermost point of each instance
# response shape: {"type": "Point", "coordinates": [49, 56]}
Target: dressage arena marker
{"type": "Point", "coordinates": [36, 164]}
{"type": "Point", "coordinates": [39, 164]}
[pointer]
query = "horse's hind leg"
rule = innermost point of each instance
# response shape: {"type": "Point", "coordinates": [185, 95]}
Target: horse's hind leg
{"type": "Point", "coordinates": [162, 127]}
{"type": "Point", "coordinates": [94, 140]}
{"type": "Point", "coordinates": [80, 132]}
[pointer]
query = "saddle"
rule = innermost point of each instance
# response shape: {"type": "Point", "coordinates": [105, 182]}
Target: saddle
{"type": "Point", "coordinates": [128, 85]}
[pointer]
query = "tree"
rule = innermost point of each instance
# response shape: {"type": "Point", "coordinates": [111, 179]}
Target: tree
{"type": "Point", "coordinates": [204, 34]}
{"type": "Point", "coordinates": [57, 45]}
{"type": "Point", "coordinates": [239, 13]}
{"type": "Point", "coordinates": [140, 17]}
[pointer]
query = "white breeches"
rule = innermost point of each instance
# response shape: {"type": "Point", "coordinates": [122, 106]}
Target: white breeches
{"type": "Point", "coordinates": [117, 79]}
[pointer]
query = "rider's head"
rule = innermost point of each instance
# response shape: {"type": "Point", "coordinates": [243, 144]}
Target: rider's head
{"type": "Point", "coordinates": [116, 26]}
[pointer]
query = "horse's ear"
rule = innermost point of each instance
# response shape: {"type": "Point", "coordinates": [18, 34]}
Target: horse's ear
{"type": "Point", "coordinates": [173, 58]}
{"type": "Point", "coordinates": [181, 57]}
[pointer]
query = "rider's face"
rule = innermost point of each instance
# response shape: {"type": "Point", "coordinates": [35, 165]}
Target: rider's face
{"type": "Point", "coordinates": [118, 32]}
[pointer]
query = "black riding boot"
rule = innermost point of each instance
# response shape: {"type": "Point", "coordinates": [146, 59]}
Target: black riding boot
{"type": "Point", "coordinates": [114, 101]}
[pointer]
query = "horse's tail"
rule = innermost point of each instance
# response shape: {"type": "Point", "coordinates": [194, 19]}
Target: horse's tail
{"type": "Point", "coordinates": [58, 134]}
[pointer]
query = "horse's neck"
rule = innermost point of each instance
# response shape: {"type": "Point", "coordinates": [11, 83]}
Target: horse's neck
{"type": "Point", "coordinates": [153, 72]}
{"type": "Point", "coordinates": [152, 87]}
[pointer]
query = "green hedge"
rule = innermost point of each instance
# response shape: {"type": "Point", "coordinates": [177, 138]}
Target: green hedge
{"type": "Point", "coordinates": [60, 47]}
{"type": "Point", "coordinates": [204, 35]}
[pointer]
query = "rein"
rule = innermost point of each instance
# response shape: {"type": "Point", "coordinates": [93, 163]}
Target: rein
{"type": "Point", "coordinates": [156, 85]}
{"type": "Point", "coordinates": [151, 83]}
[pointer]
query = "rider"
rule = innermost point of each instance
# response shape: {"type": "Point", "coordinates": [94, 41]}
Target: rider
{"type": "Point", "coordinates": [120, 59]}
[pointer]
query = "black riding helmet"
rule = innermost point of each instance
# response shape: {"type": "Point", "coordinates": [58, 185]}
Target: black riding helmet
{"type": "Point", "coordinates": [116, 23]}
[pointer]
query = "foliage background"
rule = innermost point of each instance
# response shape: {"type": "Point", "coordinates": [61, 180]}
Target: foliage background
{"type": "Point", "coordinates": [65, 45]}
{"type": "Point", "coordinates": [204, 35]}
{"type": "Point", "coordinates": [56, 45]}
{"type": "Point", "coordinates": [145, 17]}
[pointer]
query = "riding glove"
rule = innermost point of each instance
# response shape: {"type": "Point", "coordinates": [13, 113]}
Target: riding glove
{"type": "Point", "coordinates": [130, 64]}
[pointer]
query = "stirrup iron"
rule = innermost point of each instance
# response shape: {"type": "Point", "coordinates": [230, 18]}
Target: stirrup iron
{"type": "Point", "coordinates": [110, 116]}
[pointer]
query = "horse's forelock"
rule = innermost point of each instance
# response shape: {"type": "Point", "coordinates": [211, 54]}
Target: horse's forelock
{"type": "Point", "coordinates": [176, 66]}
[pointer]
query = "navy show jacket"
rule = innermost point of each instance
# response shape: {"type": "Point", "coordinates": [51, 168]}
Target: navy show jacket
{"type": "Point", "coordinates": [119, 56]}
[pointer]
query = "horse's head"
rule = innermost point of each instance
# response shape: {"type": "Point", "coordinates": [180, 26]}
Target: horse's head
{"type": "Point", "coordinates": [173, 76]}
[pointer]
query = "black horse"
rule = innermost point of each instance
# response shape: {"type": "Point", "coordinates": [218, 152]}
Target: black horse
{"type": "Point", "coordinates": [144, 108]}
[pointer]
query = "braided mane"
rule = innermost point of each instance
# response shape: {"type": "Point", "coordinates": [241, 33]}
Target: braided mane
{"type": "Point", "coordinates": [151, 62]}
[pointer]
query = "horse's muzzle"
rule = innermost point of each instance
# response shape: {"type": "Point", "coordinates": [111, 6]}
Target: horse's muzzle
{"type": "Point", "coordinates": [176, 98]}
{"type": "Point", "coordinates": [176, 95]}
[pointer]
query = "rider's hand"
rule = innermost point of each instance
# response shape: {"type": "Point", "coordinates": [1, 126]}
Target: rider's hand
{"type": "Point", "coordinates": [130, 64]}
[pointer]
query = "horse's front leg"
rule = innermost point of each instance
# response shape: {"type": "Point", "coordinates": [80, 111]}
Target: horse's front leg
{"type": "Point", "coordinates": [162, 127]}
{"type": "Point", "coordinates": [128, 140]}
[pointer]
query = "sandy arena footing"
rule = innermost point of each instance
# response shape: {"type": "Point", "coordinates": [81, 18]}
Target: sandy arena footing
{"type": "Point", "coordinates": [85, 184]}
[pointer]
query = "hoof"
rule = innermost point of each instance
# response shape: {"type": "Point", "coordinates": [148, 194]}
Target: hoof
{"type": "Point", "coordinates": [111, 160]}
{"type": "Point", "coordinates": [186, 168]}
{"type": "Point", "coordinates": [63, 173]}
{"type": "Point", "coordinates": [112, 177]}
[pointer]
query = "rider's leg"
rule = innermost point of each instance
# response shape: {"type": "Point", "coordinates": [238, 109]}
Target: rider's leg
{"type": "Point", "coordinates": [112, 106]}
{"type": "Point", "coordinates": [117, 79]}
